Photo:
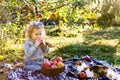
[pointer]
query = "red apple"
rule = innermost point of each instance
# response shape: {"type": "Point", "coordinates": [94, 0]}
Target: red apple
{"type": "Point", "coordinates": [55, 62]}
{"type": "Point", "coordinates": [60, 64]}
{"type": "Point", "coordinates": [40, 15]}
{"type": "Point", "coordinates": [59, 59]}
{"type": "Point", "coordinates": [47, 64]}
{"type": "Point", "coordinates": [53, 15]}
{"type": "Point", "coordinates": [54, 66]}
{"type": "Point", "coordinates": [31, 8]}
{"type": "Point", "coordinates": [82, 75]}
{"type": "Point", "coordinates": [51, 62]}
{"type": "Point", "coordinates": [42, 3]}
{"type": "Point", "coordinates": [87, 58]}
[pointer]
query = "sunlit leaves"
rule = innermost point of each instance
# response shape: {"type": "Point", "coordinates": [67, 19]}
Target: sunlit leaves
{"type": "Point", "coordinates": [1, 57]}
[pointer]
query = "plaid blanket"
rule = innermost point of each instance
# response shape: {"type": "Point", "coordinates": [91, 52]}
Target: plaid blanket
{"type": "Point", "coordinates": [70, 72]}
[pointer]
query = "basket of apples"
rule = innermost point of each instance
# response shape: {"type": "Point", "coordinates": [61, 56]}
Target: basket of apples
{"type": "Point", "coordinates": [53, 67]}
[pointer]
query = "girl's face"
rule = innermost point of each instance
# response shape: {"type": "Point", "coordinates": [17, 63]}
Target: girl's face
{"type": "Point", "coordinates": [36, 34]}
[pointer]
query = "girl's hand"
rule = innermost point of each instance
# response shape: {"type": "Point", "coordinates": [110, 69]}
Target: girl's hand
{"type": "Point", "coordinates": [38, 42]}
{"type": "Point", "coordinates": [42, 43]}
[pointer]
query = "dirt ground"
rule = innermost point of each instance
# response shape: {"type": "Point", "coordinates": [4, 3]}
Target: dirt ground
{"type": "Point", "coordinates": [1, 76]}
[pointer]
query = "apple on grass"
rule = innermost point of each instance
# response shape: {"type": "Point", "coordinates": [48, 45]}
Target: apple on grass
{"type": "Point", "coordinates": [87, 58]}
{"type": "Point", "coordinates": [82, 75]}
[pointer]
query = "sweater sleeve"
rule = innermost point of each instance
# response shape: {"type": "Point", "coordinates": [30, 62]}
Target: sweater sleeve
{"type": "Point", "coordinates": [47, 50]}
{"type": "Point", "coordinates": [30, 50]}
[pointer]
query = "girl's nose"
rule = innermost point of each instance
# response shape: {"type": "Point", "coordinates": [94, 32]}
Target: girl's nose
{"type": "Point", "coordinates": [39, 36]}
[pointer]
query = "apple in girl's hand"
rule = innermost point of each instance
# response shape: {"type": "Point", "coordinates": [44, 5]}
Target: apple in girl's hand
{"type": "Point", "coordinates": [47, 64]}
{"type": "Point", "coordinates": [54, 66]}
{"type": "Point", "coordinates": [39, 39]}
{"type": "Point", "coordinates": [59, 59]}
{"type": "Point", "coordinates": [82, 75]}
{"type": "Point", "coordinates": [60, 64]}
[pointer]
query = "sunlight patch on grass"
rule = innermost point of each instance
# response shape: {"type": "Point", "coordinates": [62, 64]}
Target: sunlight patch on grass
{"type": "Point", "coordinates": [118, 49]}
{"type": "Point", "coordinates": [111, 42]}
{"type": "Point", "coordinates": [63, 41]}
{"type": "Point", "coordinates": [14, 47]}
{"type": "Point", "coordinates": [1, 57]}
{"type": "Point", "coordinates": [11, 45]}
{"type": "Point", "coordinates": [59, 42]}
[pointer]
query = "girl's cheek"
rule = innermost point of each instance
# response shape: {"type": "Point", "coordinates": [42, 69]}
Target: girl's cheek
{"type": "Point", "coordinates": [39, 36]}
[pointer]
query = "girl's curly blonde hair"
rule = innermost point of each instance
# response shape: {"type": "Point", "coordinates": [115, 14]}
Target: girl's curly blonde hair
{"type": "Point", "coordinates": [35, 25]}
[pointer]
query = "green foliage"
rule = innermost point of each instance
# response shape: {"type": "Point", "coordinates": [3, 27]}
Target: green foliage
{"type": "Point", "coordinates": [24, 11]}
{"type": "Point", "coordinates": [11, 37]}
{"type": "Point", "coordinates": [13, 55]}
{"type": "Point", "coordinates": [111, 6]}
{"type": "Point", "coordinates": [105, 20]}
{"type": "Point", "coordinates": [65, 11]}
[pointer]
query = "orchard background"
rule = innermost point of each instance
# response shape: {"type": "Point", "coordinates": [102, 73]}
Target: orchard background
{"type": "Point", "coordinates": [74, 28]}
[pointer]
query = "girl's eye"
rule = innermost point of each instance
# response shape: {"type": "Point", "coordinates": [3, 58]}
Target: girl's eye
{"type": "Point", "coordinates": [40, 34]}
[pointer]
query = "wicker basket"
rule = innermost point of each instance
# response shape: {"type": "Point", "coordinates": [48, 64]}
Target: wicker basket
{"type": "Point", "coordinates": [51, 72]}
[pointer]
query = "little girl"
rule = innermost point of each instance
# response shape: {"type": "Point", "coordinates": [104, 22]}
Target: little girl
{"type": "Point", "coordinates": [35, 47]}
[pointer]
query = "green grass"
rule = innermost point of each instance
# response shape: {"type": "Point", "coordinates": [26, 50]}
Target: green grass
{"type": "Point", "coordinates": [76, 42]}
{"type": "Point", "coordinates": [102, 44]}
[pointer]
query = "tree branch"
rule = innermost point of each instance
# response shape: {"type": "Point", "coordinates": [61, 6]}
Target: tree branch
{"type": "Point", "coordinates": [25, 2]}
{"type": "Point", "coordinates": [58, 7]}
